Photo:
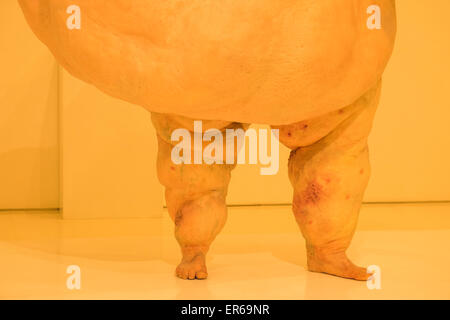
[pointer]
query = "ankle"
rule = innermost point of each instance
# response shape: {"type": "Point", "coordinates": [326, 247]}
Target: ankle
{"type": "Point", "coordinates": [191, 252]}
{"type": "Point", "coordinates": [324, 252]}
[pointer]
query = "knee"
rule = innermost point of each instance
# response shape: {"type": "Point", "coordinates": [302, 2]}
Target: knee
{"type": "Point", "coordinates": [320, 178]}
{"type": "Point", "coordinates": [190, 211]}
{"type": "Point", "coordinates": [313, 184]}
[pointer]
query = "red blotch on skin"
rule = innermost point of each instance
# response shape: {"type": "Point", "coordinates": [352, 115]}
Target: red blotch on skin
{"type": "Point", "coordinates": [361, 171]}
{"type": "Point", "coordinates": [312, 194]}
{"type": "Point", "coordinates": [347, 197]}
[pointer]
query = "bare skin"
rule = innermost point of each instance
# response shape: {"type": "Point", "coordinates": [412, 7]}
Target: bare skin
{"type": "Point", "coordinates": [195, 196]}
{"type": "Point", "coordinates": [328, 168]}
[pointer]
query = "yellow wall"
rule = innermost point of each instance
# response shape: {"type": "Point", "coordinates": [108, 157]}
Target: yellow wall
{"type": "Point", "coordinates": [411, 139]}
{"type": "Point", "coordinates": [108, 156]}
{"type": "Point", "coordinates": [28, 116]}
{"type": "Point", "coordinates": [109, 146]}
{"type": "Point", "coordinates": [410, 143]}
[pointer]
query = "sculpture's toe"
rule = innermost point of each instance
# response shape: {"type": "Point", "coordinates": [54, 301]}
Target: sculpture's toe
{"type": "Point", "coordinates": [337, 265]}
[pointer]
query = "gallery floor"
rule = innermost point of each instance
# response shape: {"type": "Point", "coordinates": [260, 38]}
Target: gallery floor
{"type": "Point", "coordinates": [259, 255]}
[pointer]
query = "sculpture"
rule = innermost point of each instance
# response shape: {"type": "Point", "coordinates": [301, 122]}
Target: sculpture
{"type": "Point", "coordinates": [311, 69]}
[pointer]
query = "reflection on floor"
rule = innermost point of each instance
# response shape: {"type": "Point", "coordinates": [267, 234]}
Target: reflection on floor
{"type": "Point", "coordinates": [259, 255]}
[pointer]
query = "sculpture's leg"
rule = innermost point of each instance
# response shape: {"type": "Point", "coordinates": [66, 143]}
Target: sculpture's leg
{"type": "Point", "coordinates": [195, 195]}
{"type": "Point", "coordinates": [329, 170]}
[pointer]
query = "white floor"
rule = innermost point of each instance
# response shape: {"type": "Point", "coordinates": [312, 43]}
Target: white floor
{"type": "Point", "coordinates": [259, 255]}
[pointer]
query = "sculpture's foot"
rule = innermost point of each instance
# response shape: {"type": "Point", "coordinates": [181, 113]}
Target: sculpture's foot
{"type": "Point", "coordinates": [337, 265]}
{"type": "Point", "coordinates": [192, 268]}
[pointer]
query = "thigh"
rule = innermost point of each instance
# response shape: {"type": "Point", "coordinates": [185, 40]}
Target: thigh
{"type": "Point", "coordinates": [311, 131]}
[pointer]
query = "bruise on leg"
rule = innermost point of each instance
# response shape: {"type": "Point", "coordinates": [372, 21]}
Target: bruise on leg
{"type": "Point", "coordinates": [312, 194]}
